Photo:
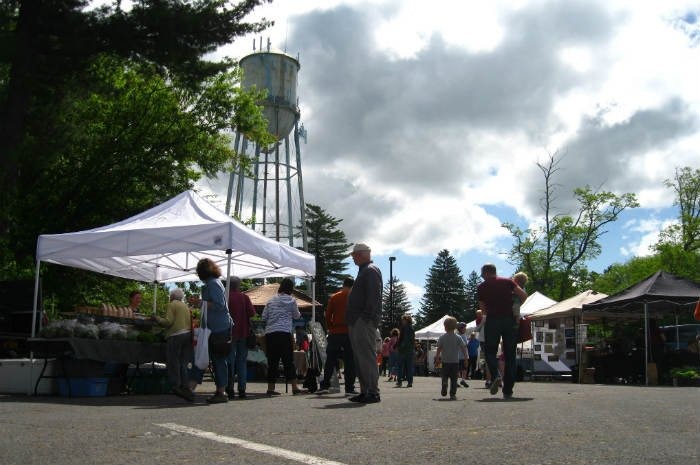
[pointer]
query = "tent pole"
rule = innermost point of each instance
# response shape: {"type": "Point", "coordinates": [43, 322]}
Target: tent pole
{"type": "Point", "coordinates": [228, 272]}
{"type": "Point", "coordinates": [155, 296]}
{"type": "Point", "coordinates": [36, 298]}
{"type": "Point", "coordinates": [646, 345]}
{"type": "Point", "coordinates": [313, 299]}
{"type": "Point", "coordinates": [678, 340]}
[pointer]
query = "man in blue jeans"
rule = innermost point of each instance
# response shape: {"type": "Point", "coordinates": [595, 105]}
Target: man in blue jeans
{"type": "Point", "coordinates": [241, 309]}
{"type": "Point", "coordinates": [495, 297]}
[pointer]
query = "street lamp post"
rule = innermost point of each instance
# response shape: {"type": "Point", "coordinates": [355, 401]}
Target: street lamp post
{"type": "Point", "coordinates": [391, 290]}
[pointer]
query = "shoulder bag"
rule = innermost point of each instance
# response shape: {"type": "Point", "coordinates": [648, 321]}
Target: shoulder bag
{"type": "Point", "coordinates": [201, 341]}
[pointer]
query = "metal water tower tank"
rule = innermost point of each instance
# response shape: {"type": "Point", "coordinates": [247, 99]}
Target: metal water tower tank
{"type": "Point", "coordinates": [277, 73]}
{"type": "Point", "coordinates": [270, 195]}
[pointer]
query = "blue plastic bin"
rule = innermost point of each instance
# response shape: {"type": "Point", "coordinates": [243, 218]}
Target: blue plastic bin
{"type": "Point", "coordinates": [83, 387]}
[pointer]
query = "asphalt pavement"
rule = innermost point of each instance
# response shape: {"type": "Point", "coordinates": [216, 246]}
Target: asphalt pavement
{"type": "Point", "coordinates": [544, 423]}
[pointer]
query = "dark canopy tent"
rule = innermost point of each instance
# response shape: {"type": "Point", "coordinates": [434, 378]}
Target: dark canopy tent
{"type": "Point", "coordinates": [659, 295]}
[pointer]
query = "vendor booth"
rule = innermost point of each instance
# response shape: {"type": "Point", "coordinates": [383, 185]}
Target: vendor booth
{"type": "Point", "coordinates": [554, 346]}
{"type": "Point", "coordinates": [164, 244]}
{"type": "Point", "coordinates": [661, 294]}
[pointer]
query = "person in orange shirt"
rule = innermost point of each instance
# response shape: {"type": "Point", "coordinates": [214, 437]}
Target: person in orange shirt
{"type": "Point", "coordinates": [338, 340]}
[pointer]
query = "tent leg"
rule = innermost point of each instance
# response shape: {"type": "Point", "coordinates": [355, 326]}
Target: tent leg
{"type": "Point", "coordinates": [36, 297]}
{"type": "Point", "coordinates": [646, 345]}
{"type": "Point", "coordinates": [228, 273]}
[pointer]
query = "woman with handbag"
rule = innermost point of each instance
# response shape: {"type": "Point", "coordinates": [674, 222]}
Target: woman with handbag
{"type": "Point", "coordinates": [278, 315]}
{"type": "Point", "coordinates": [216, 318]}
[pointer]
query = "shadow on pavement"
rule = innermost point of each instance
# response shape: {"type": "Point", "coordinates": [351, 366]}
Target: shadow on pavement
{"type": "Point", "coordinates": [501, 399]}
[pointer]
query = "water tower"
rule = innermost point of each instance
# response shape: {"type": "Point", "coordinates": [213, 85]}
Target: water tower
{"type": "Point", "coordinates": [270, 194]}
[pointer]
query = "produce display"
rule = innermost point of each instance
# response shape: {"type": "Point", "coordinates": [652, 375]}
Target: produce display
{"type": "Point", "coordinates": [142, 329]}
{"type": "Point", "coordinates": [107, 309]}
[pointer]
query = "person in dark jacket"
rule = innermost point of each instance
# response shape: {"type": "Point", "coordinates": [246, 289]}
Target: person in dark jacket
{"type": "Point", "coordinates": [363, 315]}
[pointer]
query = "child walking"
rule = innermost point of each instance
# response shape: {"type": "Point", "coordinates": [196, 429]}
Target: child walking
{"type": "Point", "coordinates": [448, 347]}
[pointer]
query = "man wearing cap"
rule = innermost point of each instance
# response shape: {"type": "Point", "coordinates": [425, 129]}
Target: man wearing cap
{"type": "Point", "coordinates": [495, 296]}
{"type": "Point", "coordinates": [363, 315]}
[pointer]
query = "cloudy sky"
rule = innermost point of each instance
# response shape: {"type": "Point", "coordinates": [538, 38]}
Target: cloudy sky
{"type": "Point", "coordinates": [426, 120]}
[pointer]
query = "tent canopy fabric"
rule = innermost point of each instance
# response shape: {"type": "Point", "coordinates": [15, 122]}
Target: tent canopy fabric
{"type": "Point", "coordinates": [164, 244]}
{"type": "Point", "coordinates": [433, 330]}
{"type": "Point", "coordinates": [568, 307]}
{"type": "Point", "coordinates": [661, 293]}
{"type": "Point", "coordinates": [534, 302]}
{"type": "Point", "coordinates": [261, 295]}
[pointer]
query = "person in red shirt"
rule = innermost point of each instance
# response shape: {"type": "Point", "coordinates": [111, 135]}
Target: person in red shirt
{"type": "Point", "coordinates": [495, 297]}
{"type": "Point", "coordinates": [338, 340]}
{"type": "Point", "coordinates": [241, 309]}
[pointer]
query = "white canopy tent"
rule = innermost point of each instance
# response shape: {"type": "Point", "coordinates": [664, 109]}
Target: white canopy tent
{"type": "Point", "coordinates": [433, 330]}
{"type": "Point", "coordinates": [164, 244]}
{"type": "Point", "coordinates": [570, 307]}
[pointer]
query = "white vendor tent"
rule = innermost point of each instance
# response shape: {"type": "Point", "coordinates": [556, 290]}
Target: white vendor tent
{"type": "Point", "coordinates": [164, 244]}
{"type": "Point", "coordinates": [535, 301]}
{"type": "Point", "coordinates": [433, 330]}
{"type": "Point", "coordinates": [570, 307]}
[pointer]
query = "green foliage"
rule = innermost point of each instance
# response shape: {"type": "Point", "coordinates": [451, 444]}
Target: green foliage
{"type": "Point", "coordinates": [105, 113]}
{"type": "Point", "coordinates": [330, 247]}
{"type": "Point", "coordinates": [444, 291]}
{"type": "Point", "coordinates": [391, 314]}
{"type": "Point", "coordinates": [554, 255]}
{"type": "Point", "coordinates": [677, 249]}
{"type": "Point", "coordinates": [472, 303]}
{"type": "Point", "coordinates": [685, 373]}
{"type": "Point", "coordinates": [686, 232]}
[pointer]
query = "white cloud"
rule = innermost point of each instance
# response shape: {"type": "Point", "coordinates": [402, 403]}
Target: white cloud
{"type": "Point", "coordinates": [649, 230]}
{"type": "Point", "coordinates": [426, 120]}
{"type": "Point", "coordinates": [414, 293]}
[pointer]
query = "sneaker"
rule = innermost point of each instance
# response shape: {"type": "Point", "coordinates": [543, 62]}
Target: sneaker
{"type": "Point", "coordinates": [487, 384]}
{"type": "Point", "coordinates": [358, 398]}
{"type": "Point", "coordinates": [409, 385]}
{"type": "Point", "coordinates": [371, 399]}
{"type": "Point", "coordinates": [453, 397]}
{"type": "Point", "coordinates": [218, 398]}
{"type": "Point", "coordinates": [322, 391]}
{"type": "Point", "coordinates": [272, 393]}
{"type": "Point", "coordinates": [230, 393]}
{"type": "Point", "coordinates": [464, 383]}
{"type": "Point", "coordinates": [443, 391]}
{"type": "Point", "coordinates": [242, 395]}
{"type": "Point", "coordinates": [494, 387]}
{"type": "Point", "coordinates": [507, 396]}
{"type": "Point", "coordinates": [398, 384]}
{"type": "Point", "coordinates": [351, 392]}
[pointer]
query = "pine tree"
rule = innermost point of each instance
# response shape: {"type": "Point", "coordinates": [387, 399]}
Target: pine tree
{"type": "Point", "coordinates": [330, 247]}
{"type": "Point", "coordinates": [472, 300]}
{"type": "Point", "coordinates": [444, 291]}
{"type": "Point", "coordinates": [392, 313]}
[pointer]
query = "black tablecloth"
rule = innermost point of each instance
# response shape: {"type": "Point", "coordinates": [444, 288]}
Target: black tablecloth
{"type": "Point", "coordinates": [103, 350]}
